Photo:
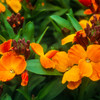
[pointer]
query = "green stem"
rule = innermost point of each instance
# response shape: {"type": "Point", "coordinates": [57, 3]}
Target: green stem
{"type": "Point", "coordinates": [82, 89]}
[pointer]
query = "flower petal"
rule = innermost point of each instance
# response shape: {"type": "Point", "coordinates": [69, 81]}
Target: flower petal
{"type": "Point", "coordinates": [73, 75]}
{"type": "Point", "coordinates": [12, 61]}
{"type": "Point", "coordinates": [68, 39]}
{"type": "Point", "coordinates": [97, 16]}
{"type": "Point", "coordinates": [5, 47]}
{"type": "Point", "coordinates": [2, 8]}
{"type": "Point", "coordinates": [15, 5]}
{"type": "Point", "coordinates": [6, 76]}
{"type": "Point", "coordinates": [85, 68]}
{"type": "Point", "coordinates": [94, 4]}
{"type": "Point", "coordinates": [93, 53]}
{"type": "Point", "coordinates": [86, 3]}
{"type": "Point", "coordinates": [51, 53]}
{"type": "Point", "coordinates": [46, 62]}
{"type": "Point", "coordinates": [96, 72]}
{"type": "Point", "coordinates": [88, 12]}
{"type": "Point", "coordinates": [73, 85]}
{"type": "Point", "coordinates": [76, 52]}
{"type": "Point", "coordinates": [94, 76]}
{"type": "Point", "coordinates": [83, 23]}
{"type": "Point", "coordinates": [61, 61]}
{"type": "Point", "coordinates": [37, 48]}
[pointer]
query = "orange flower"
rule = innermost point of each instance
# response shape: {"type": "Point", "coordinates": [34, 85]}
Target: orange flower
{"type": "Point", "coordinates": [15, 5]}
{"type": "Point", "coordinates": [11, 64]}
{"type": "Point", "coordinates": [6, 46]}
{"type": "Point", "coordinates": [24, 78]}
{"type": "Point", "coordinates": [45, 59]}
{"type": "Point", "coordinates": [88, 60]}
{"type": "Point", "coordinates": [73, 77]}
{"type": "Point", "coordinates": [64, 64]}
{"type": "Point", "coordinates": [2, 8]}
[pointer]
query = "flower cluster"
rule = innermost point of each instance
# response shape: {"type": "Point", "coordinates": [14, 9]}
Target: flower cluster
{"type": "Point", "coordinates": [11, 63]}
{"type": "Point", "coordinates": [82, 59]}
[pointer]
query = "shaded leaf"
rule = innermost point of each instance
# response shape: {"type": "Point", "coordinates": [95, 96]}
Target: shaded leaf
{"type": "Point", "coordinates": [51, 90]}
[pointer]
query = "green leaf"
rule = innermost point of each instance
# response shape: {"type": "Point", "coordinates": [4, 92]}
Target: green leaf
{"type": "Point", "coordinates": [47, 20]}
{"type": "Point", "coordinates": [51, 90]}
{"type": "Point", "coordinates": [24, 93]}
{"type": "Point", "coordinates": [7, 13]}
{"type": "Point", "coordinates": [74, 22]}
{"type": "Point", "coordinates": [35, 67]}
{"type": "Point", "coordinates": [48, 7]}
{"type": "Point", "coordinates": [62, 22]}
{"type": "Point", "coordinates": [40, 38]}
{"type": "Point", "coordinates": [6, 97]}
{"type": "Point", "coordinates": [28, 31]}
{"type": "Point", "coordinates": [80, 13]}
{"type": "Point", "coordinates": [36, 79]}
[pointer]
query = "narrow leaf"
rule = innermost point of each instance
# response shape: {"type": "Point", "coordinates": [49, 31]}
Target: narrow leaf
{"type": "Point", "coordinates": [74, 22]}
{"type": "Point", "coordinates": [62, 22]}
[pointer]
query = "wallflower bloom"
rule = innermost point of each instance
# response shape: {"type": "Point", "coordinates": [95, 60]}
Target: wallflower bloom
{"type": "Point", "coordinates": [88, 61]}
{"type": "Point", "coordinates": [15, 5]}
{"type": "Point", "coordinates": [11, 64]}
{"type": "Point", "coordinates": [24, 78]}
{"type": "Point", "coordinates": [45, 59]}
{"type": "Point", "coordinates": [64, 64]}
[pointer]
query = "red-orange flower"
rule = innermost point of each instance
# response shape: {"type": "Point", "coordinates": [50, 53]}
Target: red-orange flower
{"type": "Point", "coordinates": [24, 78]}
{"type": "Point", "coordinates": [45, 59]}
{"type": "Point", "coordinates": [93, 6]}
{"type": "Point", "coordinates": [88, 60]}
{"type": "Point", "coordinates": [86, 3]}
{"type": "Point", "coordinates": [11, 64]}
{"type": "Point", "coordinates": [6, 46]}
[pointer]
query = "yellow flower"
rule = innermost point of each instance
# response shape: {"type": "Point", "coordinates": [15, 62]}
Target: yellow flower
{"type": "Point", "coordinates": [15, 5]}
{"type": "Point", "coordinates": [2, 8]}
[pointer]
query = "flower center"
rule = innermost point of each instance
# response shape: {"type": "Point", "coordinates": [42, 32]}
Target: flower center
{"type": "Point", "coordinates": [12, 71]}
{"type": "Point", "coordinates": [68, 68]}
{"type": "Point", "coordinates": [88, 60]}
